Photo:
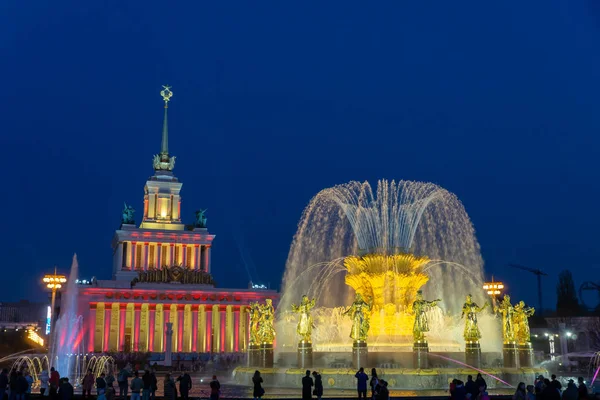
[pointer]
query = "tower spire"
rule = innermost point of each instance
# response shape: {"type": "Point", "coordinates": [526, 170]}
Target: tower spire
{"type": "Point", "coordinates": [164, 162]}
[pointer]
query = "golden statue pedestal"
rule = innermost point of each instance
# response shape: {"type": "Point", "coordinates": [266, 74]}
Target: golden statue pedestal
{"type": "Point", "coordinates": [420, 355]}
{"type": "Point", "coordinates": [360, 354]}
{"type": "Point", "coordinates": [473, 354]}
{"type": "Point", "coordinates": [305, 355]}
{"type": "Point", "coordinates": [253, 355]}
{"type": "Point", "coordinates": [526, 358]}
{"type": "Point", "coordinates": [266, 355]}
{"type": "Point", "coordinates": [510, 353]}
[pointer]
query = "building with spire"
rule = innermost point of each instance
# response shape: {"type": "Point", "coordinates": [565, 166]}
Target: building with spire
{"type": "Point", "coordinates": [161, 277]}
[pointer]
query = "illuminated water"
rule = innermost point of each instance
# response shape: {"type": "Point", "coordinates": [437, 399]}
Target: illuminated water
{"type": "Point", "coordinates": [409, 217]}
{"type": "Point", "coordinates": [67, 338]}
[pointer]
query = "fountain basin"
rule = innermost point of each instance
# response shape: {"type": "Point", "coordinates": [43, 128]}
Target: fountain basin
{"type": "Point", "coordinates": [397, 378]}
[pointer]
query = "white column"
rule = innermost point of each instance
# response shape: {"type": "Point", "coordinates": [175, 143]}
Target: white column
{"type": "Point", "coordinates": [184, 255]}
{"type": "Point", "coordinates": [172, 254]}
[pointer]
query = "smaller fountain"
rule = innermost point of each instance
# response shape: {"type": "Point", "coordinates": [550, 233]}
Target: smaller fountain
{"type": "Point", "coordinates": [67, 339]}
{"type": "Point", "coordinates": [67, 348]}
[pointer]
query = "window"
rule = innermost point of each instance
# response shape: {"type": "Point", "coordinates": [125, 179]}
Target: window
{"type": "Point", "coordinates": [163, 254]}
{"type": "Point", "coordinates": [138, 256]}
{"type": "Point", "coordinates": [188, 260]}
{"type": "Point", "coordinates": [151, 255]}
{"type": "Point", "coordinates": [177, 255]}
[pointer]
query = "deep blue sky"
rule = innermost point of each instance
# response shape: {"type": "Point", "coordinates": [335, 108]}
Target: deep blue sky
{"type": "Point", "coordinates": [495, 101]}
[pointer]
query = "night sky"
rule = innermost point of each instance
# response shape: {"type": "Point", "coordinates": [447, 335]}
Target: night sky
{"type": "Point", "coordinates": [273, 101]}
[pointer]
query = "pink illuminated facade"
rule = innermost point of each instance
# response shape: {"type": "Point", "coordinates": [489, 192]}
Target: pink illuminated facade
{"type": "Point", "coordinates": [162, 274]}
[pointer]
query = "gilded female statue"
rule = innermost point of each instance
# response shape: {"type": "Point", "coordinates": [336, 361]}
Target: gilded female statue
{"type": "Point", "coordinates": [266, 330]}
{"type": "Point", "coordinates": [254, 323]}
{"type": "Point", "coordinates": [521, 322]}
{"type": "Point", "coordinates": [507, 310]}
{"type": "Point", "coordinates": [470, 309]}
{"type": "Point", "coordinates": [420, 308]}
{"type": "Point", "coordinates": [359, 311]}
{"type": "Point", "coordinates": [305, 322]}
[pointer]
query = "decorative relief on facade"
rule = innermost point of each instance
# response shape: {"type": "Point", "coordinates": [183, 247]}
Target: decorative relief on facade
{"type": "Point", "coordinates": [175, 274]}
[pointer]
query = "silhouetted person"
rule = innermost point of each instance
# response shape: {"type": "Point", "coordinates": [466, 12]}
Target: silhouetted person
{"type": "Point", "coordinates": [384, 393]}
{"type": "Point", "coordinates": [215, 388]}
{"type": "Point", "coordinates": [257, 381]}
{"type": "Point", "coordinates": [531, 392]}
{"type": "Point", "coordinates": [582, 390]}
{"type": "Point", "coordinates": [153, 384]}
{"type": "Point", "coordinates": [101, 384]}
{"type": "Point", "coordinates": [123, 382]}
{"type": "Point", "coordinates": [65, 390]}
{"type": "Point", "coordinates": [307, 384]}
{"type": "Point", "coordinates": [374, 383]}
{"type": "Point", "coordinates": [471, 387]}
{"type": "Point", "coordinates": [147, 379]}
{"type": "Point", "coordinates": [318, 385]}
{"type": "Point", "coordinates": [185, 384]}
{"type": "Point", "coordinates": [479, 381]}
{"type": "Point", "coordinates": [555, 383]}
{"type": "Point", "coordinates": [460, 393]}
{"type": "Point", "coordinates": [54, 383]}
{"type": "Point", "coordinates": [88, 383]}
{"type": "Point", "coordinates": [520, 393]}
{"type": "Point", "coordinates": [136, 386]}
{"type": "Point", "coordinates": [169, 390]}
{"type": "Point", "coordinates": [361, 383]}
{"type": "Point", "coordinates": [570, 393]}
{"type": "Point", "coordinates": [550, 392]}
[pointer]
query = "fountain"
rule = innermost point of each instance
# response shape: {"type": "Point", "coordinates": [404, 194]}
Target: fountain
{"type": "Point", "coordinates": [67, 338]}
{"type": "Point", "coordinates": [386, 245]}
{"type": "Point", "coordinates": [67, 348]}
{"type": "Point", "coordinates": [395, 247]}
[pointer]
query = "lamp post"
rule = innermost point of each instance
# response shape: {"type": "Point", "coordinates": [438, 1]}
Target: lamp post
{"type": "Point", "coordinates": [53, 282]}
{"type": "Point", "coordinates": [493, 289]}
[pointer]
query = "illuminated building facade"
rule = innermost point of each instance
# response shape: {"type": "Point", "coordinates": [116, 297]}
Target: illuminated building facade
{"type": "Point", "coordinates": [162, 274]}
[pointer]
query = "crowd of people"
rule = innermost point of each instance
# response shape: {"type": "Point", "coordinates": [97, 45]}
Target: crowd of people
{"type": "Point", "coordinates": [379, 390]}
{"type": "Point", "coordinates": [541, 389]}
{"type": "Point", "coordinates": [552, 389]}
{"type": "Point", "coordinates": [143, 386]}
{"type": "Point", "coordinates": [471, 390]}
{"type": "Point", "coordinates": [17, 385]}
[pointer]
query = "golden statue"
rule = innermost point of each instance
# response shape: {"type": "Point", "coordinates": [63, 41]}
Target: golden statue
{"type": "Point", "coordinates": [521, 316]}
{"type": "Point", "coordinates": [254, 323]}
{"type": "Point", "coordinates": [266, 330]}
{"type": "Point", "coordinates": [471, 309]}
{"type": "Point", "coordinates": [420, 308]}
{"type": "Point", "coordinates": [305, 324]}
{"type": "Point", "coordinates": [390, 282]}
{"type": "Point", "coordinates": [507, 310]}
{"type": "Point", "coordinates": [360, 312]}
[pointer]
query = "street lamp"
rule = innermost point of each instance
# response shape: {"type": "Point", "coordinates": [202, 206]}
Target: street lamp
{"type": "Point", "coordinates": [493, 289]}
{"type": "Point", "coordinates": [53, 282]}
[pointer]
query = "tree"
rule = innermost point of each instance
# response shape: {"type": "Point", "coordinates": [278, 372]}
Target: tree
{"type": "Point", "coordinates": [566, 295]}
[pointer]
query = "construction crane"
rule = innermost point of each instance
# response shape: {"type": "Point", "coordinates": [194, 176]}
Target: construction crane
{"type": "Point", "coordinates": [587, 286]}
{"type": "Point", "coordinates": [539, 273]}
